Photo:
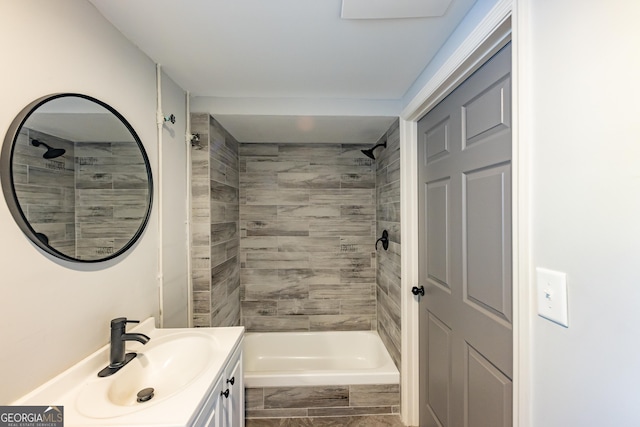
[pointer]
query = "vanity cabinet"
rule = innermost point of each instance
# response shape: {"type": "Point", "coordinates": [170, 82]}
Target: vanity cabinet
{"type": "Point", "coordinates": [224, 406]}
{"type": "Point", "coordinates": [196, 374]}
{"type": "Point", "coordinates": [232, 394]}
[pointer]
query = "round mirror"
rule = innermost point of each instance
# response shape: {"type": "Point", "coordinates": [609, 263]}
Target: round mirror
{"type": "Point", "coordinates": [76, 178]}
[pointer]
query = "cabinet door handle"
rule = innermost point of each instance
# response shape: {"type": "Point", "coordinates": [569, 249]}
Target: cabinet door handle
{"type": "Point", "coordinates": [225, 393]}
{"type": "Point", "coordinates": [231, 381]}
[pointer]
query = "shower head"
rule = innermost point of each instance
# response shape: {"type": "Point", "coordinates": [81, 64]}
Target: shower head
{"type": "Point", "coordinates": [369, 152]}
{"type": "Point", "coordinates": [51, 152]}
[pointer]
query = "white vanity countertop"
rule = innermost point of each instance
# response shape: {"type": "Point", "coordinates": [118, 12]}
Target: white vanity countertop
{"type": "Point", "coordinates": [176, 410]}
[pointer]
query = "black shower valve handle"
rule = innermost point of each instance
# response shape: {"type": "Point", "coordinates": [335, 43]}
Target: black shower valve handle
{"type": "Point", "coordinates": [384, 239]}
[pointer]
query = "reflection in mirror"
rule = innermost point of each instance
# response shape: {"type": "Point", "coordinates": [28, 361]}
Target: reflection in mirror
{"type": "Point", "coordinates": [80, 178]}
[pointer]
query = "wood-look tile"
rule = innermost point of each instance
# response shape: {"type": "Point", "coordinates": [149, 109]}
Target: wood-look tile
{"type": "Point", "coordinates": [358, 275]}
{"type": "Point", "coordinates": [392, 307]}
{"type": "Point", "coordinates": [389, 193]}
{"type": "Point", "coordinates": [306, 397]}
{"type": "Point", "coordinates": [232, 177]}
{"type": "Point", "coordinates": [200, 257]}
{"type": "Point", "coordinates": [389, 212]}
{"type": "Point", "coordinates": [280, 260]}
{"type": "Point", "coordinates": [279, 291]}
{"type": "Point", "coordinates": [254, 398]}
{"type": "Point", "coordinates": [277, 228]}
{"type": "Point", "coordinates": [259, 244]}
{"type": "Point", "coordinates": [355, 291]}
{"type": "Point", "coordinates": [200, 191]}
{"type": "Point", "coordinates": [351, 411]}
{"type": "Point", "coordinates": [201, 302]}
{"type": "Point", "coordinates": [201, 279]}
{"type": "Point", "coordinates": [54, 214]}
{"type": "Point", "coordinates": [374, 395]}
{"type": "Point", "coordinates": [259, 180]}
{"type": "Point", "coordinates": [289, 180]}
{"type": "Point", "coordinates": [308, 244]}
{"type": "Point", "coordinates": [259, 308]}
{"type": "Point", "coordinates": [330, 227]}
{"type": "Point", "coordinates": [308, 211]}
{"type": "Point", "coordinates": [393, 172]}
{"type": "Point", "coordinates": [223, 231]}
{"type": "Point", "coordinates": [93, 149]}
{"type": "Point", "coordinates": [276, 323]}
{"type": "Point", "coordinates": [224, 270]}
{"type": "Point", "coordinates": [363, 307]}
{"type": "Point", "coordinates": [217, 171]}
{"type": "Point", "coordinates": [199, 122]}
{"type": "Point", "coordinates": [355, 180]}
{"type": "Point", "coordinates": [272, 417]}
{"type": "Point", "coordinates": [340, 322]}
{"type": "Point", "coordinates": [340, 260]}
{"type": "Point", "coordinates": [308, 307]}
{"type": "Point", "coordinates": [340, 196]}
{"type": "Point", "coordinates": [392, 347]}
{"type": "Point", "coordinates": [309, 276]}
{"type": "Point", "coordinates": [308, 150]}
{"type": "Point", "coordinates": [259, 276]}
{"type": "Point", "coordinates": [359, 212]}
{"type": "Point", "coordinates": [201, 321]}
{"type": "Point", "coordinates": [392, 329]}
{"type": "Point", "coordinates": [258, 212]}
{"type": "Point", "coordinates": [256, 150]}
{"type": "Point", "coordinates": [313, 217]}
{"type": "Point", "coordinates": [219, 147]}
{"type": "Point", "coordinates": [257, 196]}
{"type": "Point", "coordinates": [223, 192]}
{"type": "Point", "coordinates": [262, 165]}
{"type": "Point", "coordinates": [228, 314]}
{"type": "Point", "coordinates": [233, 286]}
{"type": "Point", "coordinates": [389, 420]}
{"type": "Point", "coordinates": [200, 234]}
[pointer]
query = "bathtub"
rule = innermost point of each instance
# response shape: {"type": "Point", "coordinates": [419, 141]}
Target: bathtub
{"type": "Point", "coordinates": [327, 358]}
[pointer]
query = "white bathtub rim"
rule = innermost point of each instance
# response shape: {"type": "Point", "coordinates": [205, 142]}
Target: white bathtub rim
{"type": "Point", "coordinates": [387, 373]}
{"type": "Point", "coordinates": [326, 378]}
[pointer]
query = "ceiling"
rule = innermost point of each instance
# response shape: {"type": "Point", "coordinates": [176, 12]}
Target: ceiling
{"type": "Point", "coordinates": [292, 50]}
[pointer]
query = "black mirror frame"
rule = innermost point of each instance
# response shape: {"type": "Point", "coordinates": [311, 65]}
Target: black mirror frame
{"type": "Point", "coordinates": [8, 187]}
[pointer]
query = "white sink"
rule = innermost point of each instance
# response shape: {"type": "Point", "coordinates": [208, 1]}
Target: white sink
{"type": "Point", "coordinates": [181, 366]}
{"type": "Point", "coordinates": [167, 364]}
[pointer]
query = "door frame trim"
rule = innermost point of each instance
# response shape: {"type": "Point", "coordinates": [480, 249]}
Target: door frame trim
{"type": "Point", "coordinates": [503, 23]}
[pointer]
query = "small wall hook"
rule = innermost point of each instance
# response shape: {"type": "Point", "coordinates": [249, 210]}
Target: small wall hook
{"type": "Point", "coordinates": [384, 239]}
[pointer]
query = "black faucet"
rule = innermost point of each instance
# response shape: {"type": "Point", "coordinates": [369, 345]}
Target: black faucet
{"type": "Point", "coordinates": [117, 356]}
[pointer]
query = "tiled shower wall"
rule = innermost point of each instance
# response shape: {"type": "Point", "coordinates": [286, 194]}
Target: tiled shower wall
{"type": "Point", "coordinates": [215, 215]}
{"type": "Point", "coordinates": [72, 199]}
{"type": "Point", "coordinates": [388, 218]}
{"type": "Point", "coordinates": [112, 193]}
{"type": "Point", "coordinates": [46, 188]}
{"type": "Point", "coordinates": [307, 224]}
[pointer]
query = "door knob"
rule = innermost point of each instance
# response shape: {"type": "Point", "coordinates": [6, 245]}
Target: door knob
{"type": "Point", "coordinates": [418, 290]}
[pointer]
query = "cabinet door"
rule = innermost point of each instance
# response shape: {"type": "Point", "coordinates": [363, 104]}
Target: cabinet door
{"type": "Point", "coordinates": [235, 402]}
{"type": "Point", "coordinates": [210, 415]}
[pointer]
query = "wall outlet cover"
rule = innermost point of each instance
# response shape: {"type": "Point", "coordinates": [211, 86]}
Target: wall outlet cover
{"type": "Point", "coordinates": [552, 296]}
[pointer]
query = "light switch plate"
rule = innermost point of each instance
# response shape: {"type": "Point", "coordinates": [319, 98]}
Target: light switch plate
{"type": "Point", "coordinates": [552, 295]}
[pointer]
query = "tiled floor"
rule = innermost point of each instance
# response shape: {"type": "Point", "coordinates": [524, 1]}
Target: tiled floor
{"type": "Point", "coordinates": [362, 421]}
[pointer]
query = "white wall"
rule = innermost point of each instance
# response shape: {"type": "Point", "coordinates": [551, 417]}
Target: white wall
{"type": "Point", "coordinates": [54, 313]}
{"type": "Point", "coordinates": [585, 83]}
{"type": "Point", "coordinates": [466, 26]}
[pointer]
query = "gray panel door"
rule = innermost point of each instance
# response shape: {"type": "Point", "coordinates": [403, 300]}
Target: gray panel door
{"type": "Point", "coordinates": [464, 165]}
